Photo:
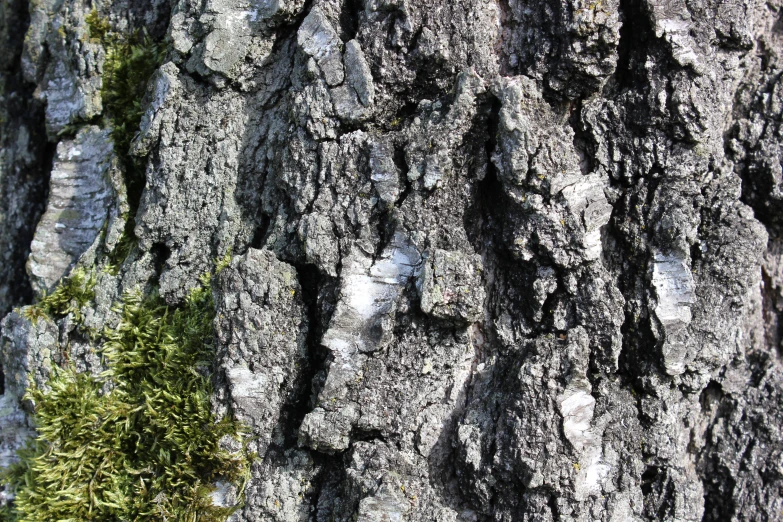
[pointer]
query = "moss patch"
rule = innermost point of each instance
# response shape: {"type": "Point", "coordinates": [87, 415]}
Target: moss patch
{"type": "Point", "coordinates": [98, 27]}
{"type": "Point", "coordinates": [122, 249]}
{"type": "Point", "coordinates": [148, 448]}
{"type": "Point", "coordinates": [131, 59]}
{"type": "Point", "coordinates": [71, 296]}
{"type": "Point", "coordinates": [130, 62]}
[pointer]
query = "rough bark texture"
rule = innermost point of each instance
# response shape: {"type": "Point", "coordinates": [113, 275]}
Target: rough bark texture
{"type": "Point", "coordinates": [493, 260]}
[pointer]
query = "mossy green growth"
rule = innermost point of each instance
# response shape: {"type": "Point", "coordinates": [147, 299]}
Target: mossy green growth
{"type": "Point", "coordinates": [98, 27]}
{"type": "Point", "coordinates": [71, 296]}
{"type": "Point", "coordinates": [122, 249]}
{"type": "Point", "coordinates": [131, 60]}
{"type": "Point", "coordinates": [148, 449]}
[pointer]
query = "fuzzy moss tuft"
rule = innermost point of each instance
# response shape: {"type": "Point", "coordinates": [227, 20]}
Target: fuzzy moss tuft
{"type": "Point", "coordinates": [98, 27]}
{"type": "Point", "coordinates": [148, 448]}
{"type": "Point", "coordinates": [71, 296]}
{"type": "Point", "coordinates": [122, 249]}
{"type": "Point", "coordinates": [130, 62]}
{"type": "Point", "coordinates": [221, 263]}
{"type": "Point", "coordinates": [131, 59]}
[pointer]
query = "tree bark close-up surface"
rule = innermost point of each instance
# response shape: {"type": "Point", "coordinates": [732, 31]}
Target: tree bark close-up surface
{"type": "Point", "coordinates": [391, 260]}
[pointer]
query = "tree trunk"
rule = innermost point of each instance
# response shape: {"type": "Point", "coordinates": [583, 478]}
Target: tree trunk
{"type": "Point", "coordinates": [491, 260]}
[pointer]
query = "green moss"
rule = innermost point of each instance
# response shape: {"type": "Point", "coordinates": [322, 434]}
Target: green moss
{"type": "Point", "coordinates": [222, 263]}
{"type": "Point", "coordinates": [131, 59]}
{"type": "Point", "coordinates": [98, 27]}
{"type": "Point", "coordinates": [138, 442]}
{"type": "Point", "coordinates": [130, 62]}
{"type": "Point", "coordinates": [71, 296]}
{"type": "Point", "coordinates": [122, 249]}
{"type": "Point", "coordinates": [147, 449]}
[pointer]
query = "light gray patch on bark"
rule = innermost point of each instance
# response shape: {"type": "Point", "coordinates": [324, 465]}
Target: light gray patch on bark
{"type": "Point", "coordinates": [80, 194]}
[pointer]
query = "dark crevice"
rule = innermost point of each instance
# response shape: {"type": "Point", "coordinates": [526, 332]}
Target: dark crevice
{"type": "Point", "coordinates": [482, 222]}
{"type": "Point", "coordinates": [21, 290]}
{"type": "Point", "coordinates": [547, 323]}
{"type": "Point", "coordinates": [314, 288]}
{"type": "Point", "coordinates": [260, 233]}
{"type": "Point", "coordinates": [719, 486]}
{"type": "Point", "coordinates": [404, 113]}
{"type": "Point", "coordinates": [161, 254]}
{"type": "Point", "coordinates": [635, 34]}
{"type": "Point", "coordinates": [488, 215]}
{"type": "Point", "coordinates": [552, 503]}
{"type": "Point", "coordinates": [402, 168]}
{"type": "Point", "coordinates": [582, 139]}
{"type": "Point", "coordinates": [358, 435]}
{"type": "Point", "coordinates": [630, 259]}
{"type": "Point", "coordinates": [695, 249]}
{"type": "Point", "coordinates": [479, 221]}
{"type": "Point", "coordinates": [658, 491]}
{"type": "Point", "coordinates": [138, 18]}
{"type": "Point", "coordinates": [759, 363]}
{"type": "Point", "coordinates": [428, 86]}
{"type": "Point", "coordinates": [638, 356]}
{"type": "Point", "coordinates": [326, 485]}
{"type": "Point", "coordinates": [24, 185]}
{"type": "Point", "coordinates": [710, 396]}
{"type": "Point", "coordinates": [759, 183]}
{"type": "Point", "coordinates": [648, 479]}
{"type": "Point", "coordinates": [433, 81]}
{"type": "Point", "coordinates": [349, 19]}
{"type": "Point", "coordinates": [286, 31]}
{"type": "Point", "coordinates": [385, 228]}
{"type": "Point", "coordinates": [653, 180]}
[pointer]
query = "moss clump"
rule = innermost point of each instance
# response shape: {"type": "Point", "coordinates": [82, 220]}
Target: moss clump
{"type": "Point", "coordinates": [98, 27]}
{"type": "Point", "coordinates": [130, 62]}
{"type": "Point", "coordinates": [71, 296]}
{"type": "Point", "coordinates": [122, 249]}
{"type": "Point", "coordinates": [147, 449]}
{"type": "Point", "coordinates": [131, 59]}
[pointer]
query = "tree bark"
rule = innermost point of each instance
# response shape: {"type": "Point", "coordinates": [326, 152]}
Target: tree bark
{"type": "Point", "coordinates": [492, 260]}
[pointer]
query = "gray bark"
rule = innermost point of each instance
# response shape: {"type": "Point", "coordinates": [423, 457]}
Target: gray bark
{"type": "Point", "coordinates": [494, 260]}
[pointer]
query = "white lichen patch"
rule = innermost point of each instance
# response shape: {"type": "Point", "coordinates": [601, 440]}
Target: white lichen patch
{"type": "Point", "coordinates": [224, 495]}
{"type": "Point", "coordinates": [674, 289]}
{"type": "Point", "coordinates": [246, 384]}
{"type": "Point", "coordinates": [368, 295]}
{"type": "Point", "coordinates": [362, 323]}
{"type": "Point", "coordinates": [591, 476]}
{"type": "Point", "coordinates": [384, 506]}
{"type": "Point", "coordinates": [587, 202]}
{"type": "Point", "coordinates": [577, 407]}
{"type": "Point", "coordinates": [675, 292]}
